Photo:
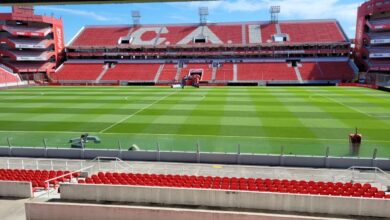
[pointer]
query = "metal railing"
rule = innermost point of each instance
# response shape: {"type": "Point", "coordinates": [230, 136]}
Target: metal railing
{"type": "Point", "coordinates": [70, 174]}
{"type": "Point", "coordinates": [372, 175]}
{"type": "Point", "coordinates": [41, 164]}
{"type": "Point", "coordinates": [381, 179]}
{"type": "Point", "coordinates": [110, 164]}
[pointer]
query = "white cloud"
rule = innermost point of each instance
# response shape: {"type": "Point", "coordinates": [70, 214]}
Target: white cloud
{"type": "Point", "coordinates": [83, 13]}
{"type": "Point", "coordinates": [180, 18]}
{"type": "Point", "coordinates": [343, 11]}
{"type": "Point", "coordinates": [303, 8]}
{"type": "Point", "coordinates": [232, 6]}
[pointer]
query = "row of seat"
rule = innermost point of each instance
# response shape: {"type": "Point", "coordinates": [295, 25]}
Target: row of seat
{"type": "Point", "coordinates": [235, 183]}
{"type": "Point", "coordinates": [38, 178]}
{"type": "Point", "coordinates": [299, 32]}
{"type": "Point", "coordinates": [245, 72]}
{"type": "Point", "coordinates": [25, 66]}
{"type": "Point", "coordinates": [7, 77]}
{"type": "Point", "coordinates": [78, 71]}
{"type": "Point", "coordinates": [306, 31]}
{"type": "Point", "coordinates": [265, 71]}
{"type": "Point", "coordinates": [27, 30]}
{"type": "Point", "coordinates": [25, 54]}
{"type": "Point", "coordinates": [134, 72]}
{"type": "Point", "coordinates": [381, 21]}
{"type": "Point", "coordinates": [326, 71]}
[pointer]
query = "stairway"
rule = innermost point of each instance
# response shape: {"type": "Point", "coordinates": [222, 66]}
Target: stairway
{"type": "Point", "coordinates": [160, 69]}
{"type": "Point", "coordinates": [255, 34]}
{"type": "Point", "coordinates": [243, 34]}
{"type": "Point", "coordinates": [158, 36]}
{"type": "Point", "coordinates": [298, 73]}
{"type": "Point", "coordinates": [102, 73]}
{"type": "Point", "coordinates": [178, 74]}
{"type": "Point", "coordinates": [278, 30]}
{"type": "Point", "coordinates": [214, 74]}
{"type": "Point", "coordinates": [235, 77]}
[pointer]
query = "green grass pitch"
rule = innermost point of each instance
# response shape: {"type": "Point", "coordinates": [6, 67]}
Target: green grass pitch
{"type": "Point", "coordinates": [304, 120]}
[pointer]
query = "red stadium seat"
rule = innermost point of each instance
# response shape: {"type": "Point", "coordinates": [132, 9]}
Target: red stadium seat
{"type": "Point", "coordinates": [8, 77]}
{"type": "Point", "coordinates": [132, 72]}
{"type": "Point", "coordinates": [78, 71]}
{"type": "Point", "coordinates": [234, 183]}
{"type": "Point", "coordinates": [38, 178]}
{"type": "Point", "coordinates": [265, 71]}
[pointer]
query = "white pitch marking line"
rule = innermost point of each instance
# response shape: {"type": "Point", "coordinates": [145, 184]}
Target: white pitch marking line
{"type": "Point", "coordinates": [380, 116]}
{"type": "Point", "coordinates": [357, 110]}
{"type": "Point", "coordinates": [347, 106]}
{"type": "Point", "coordinates": [128, 117]}
{"type": "Point", "coordinates": [195, 135]}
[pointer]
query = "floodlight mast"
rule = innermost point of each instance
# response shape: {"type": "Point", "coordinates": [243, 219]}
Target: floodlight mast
{"type": "Point", "coordinates": [136, 15]}
{"type": "Point", "coordinates": [274, 11]}
{"type": "Point", "coordinates": [203, 13]}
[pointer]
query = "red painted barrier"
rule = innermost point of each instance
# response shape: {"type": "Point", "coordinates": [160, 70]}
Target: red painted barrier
{"type": "Point", "coordinates": [358, 85]}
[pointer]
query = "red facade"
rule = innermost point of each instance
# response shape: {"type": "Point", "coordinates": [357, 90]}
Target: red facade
{"type": "Point", "coordinates": [372, 50]}
{"type": "Point", "coordinates": [30, 43]}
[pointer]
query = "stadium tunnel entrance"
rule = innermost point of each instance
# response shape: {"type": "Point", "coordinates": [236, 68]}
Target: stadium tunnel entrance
{"type": "Point", "coordinates": [194, 72]}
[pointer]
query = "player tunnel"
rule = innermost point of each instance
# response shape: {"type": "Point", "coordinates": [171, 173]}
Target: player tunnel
{"type": "Point", "coordinates": [196, 76]}
{"type": "Point", "coordinates": [194, 72]}
{"type": "Point", "coordinates": [193, 78]}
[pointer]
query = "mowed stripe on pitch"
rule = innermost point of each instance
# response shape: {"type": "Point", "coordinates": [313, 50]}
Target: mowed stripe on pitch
{"type": "Point", "coordinates": [245, 113]}
{"type": "Point", "coordinates": [194, 135]}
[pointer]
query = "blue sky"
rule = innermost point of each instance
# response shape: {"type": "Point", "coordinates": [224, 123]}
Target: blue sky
{"type": "Point", "coordinates": [76, 16]}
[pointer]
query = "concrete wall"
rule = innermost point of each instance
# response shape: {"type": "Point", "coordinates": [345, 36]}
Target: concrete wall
{"type": "Point", "coordinates": [90, 154]}
{"type": "Point", "coordinates": [253, 159]}
{"type": "Point", "coordinates": [82, 211]}
{"type": "Point", "coordinates": [218, 158]}
{"type": "Point", "coordinates": [4, 151]}
{"type": "Point", "coordinates": [64, 153]}
{"type": "Point", "coordinates": [177, 157]}
{"type": "Point", "coordinates": [382, 163]}
{"type": "Point", "coordinates": [27, 152]}
{"type": "Point", "coordinates": [229, 199]}
{"type": "Point", "coordinates": [336, 162]}
{"type": "Point", "coordinates": [139, 155]}
{"type": "Point", "coordinates": [192, 157]}
{"type": "Point", "coordinates": [303, 161]}
{"type": "Point", "coordinates": [16, 189]}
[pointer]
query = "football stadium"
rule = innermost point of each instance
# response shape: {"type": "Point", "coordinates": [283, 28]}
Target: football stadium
{"type": "Point", "coordinates": [272, 119]}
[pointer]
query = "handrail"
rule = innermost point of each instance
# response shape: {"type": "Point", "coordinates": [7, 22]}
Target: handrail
{"type": "Point", "coordinates": [97, 159]}
{"type": "Point", "coordinates": [117, 161]}
{"type": "Point", "coordinates": [6, 68]}
{"type": "Point", "coordinates": [70, 173]}
{"type": "Point", "coordinates": [352, 174]}
{"type": "Point", "coordinates": [370, 168]}
{"type": "Point", "coordinates": [381, 176]}
{"type": "Point", "coordinates": [38, 163]}
{"type": "Point", "coordinates": [47, 182]}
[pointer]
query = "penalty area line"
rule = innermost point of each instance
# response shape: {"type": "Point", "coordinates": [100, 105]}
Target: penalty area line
{"type": "Point", "coordinates": [345, 105]}
{"type": "Point", "coordinates": [140, 110]}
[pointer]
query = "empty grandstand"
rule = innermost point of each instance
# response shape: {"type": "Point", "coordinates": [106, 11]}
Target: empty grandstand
{"type": "Point", "coordinates": [253, 52]}
{"type": "Point", "coordinates": [109, 188]}
{"type": "Point", "coordinates": [271, 52]}
{"type": "Point", "coordinates": [236, 183]}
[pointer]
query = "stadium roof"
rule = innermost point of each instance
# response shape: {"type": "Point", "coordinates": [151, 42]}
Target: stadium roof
{"type": "Point", "coordinates": [61, 2]}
